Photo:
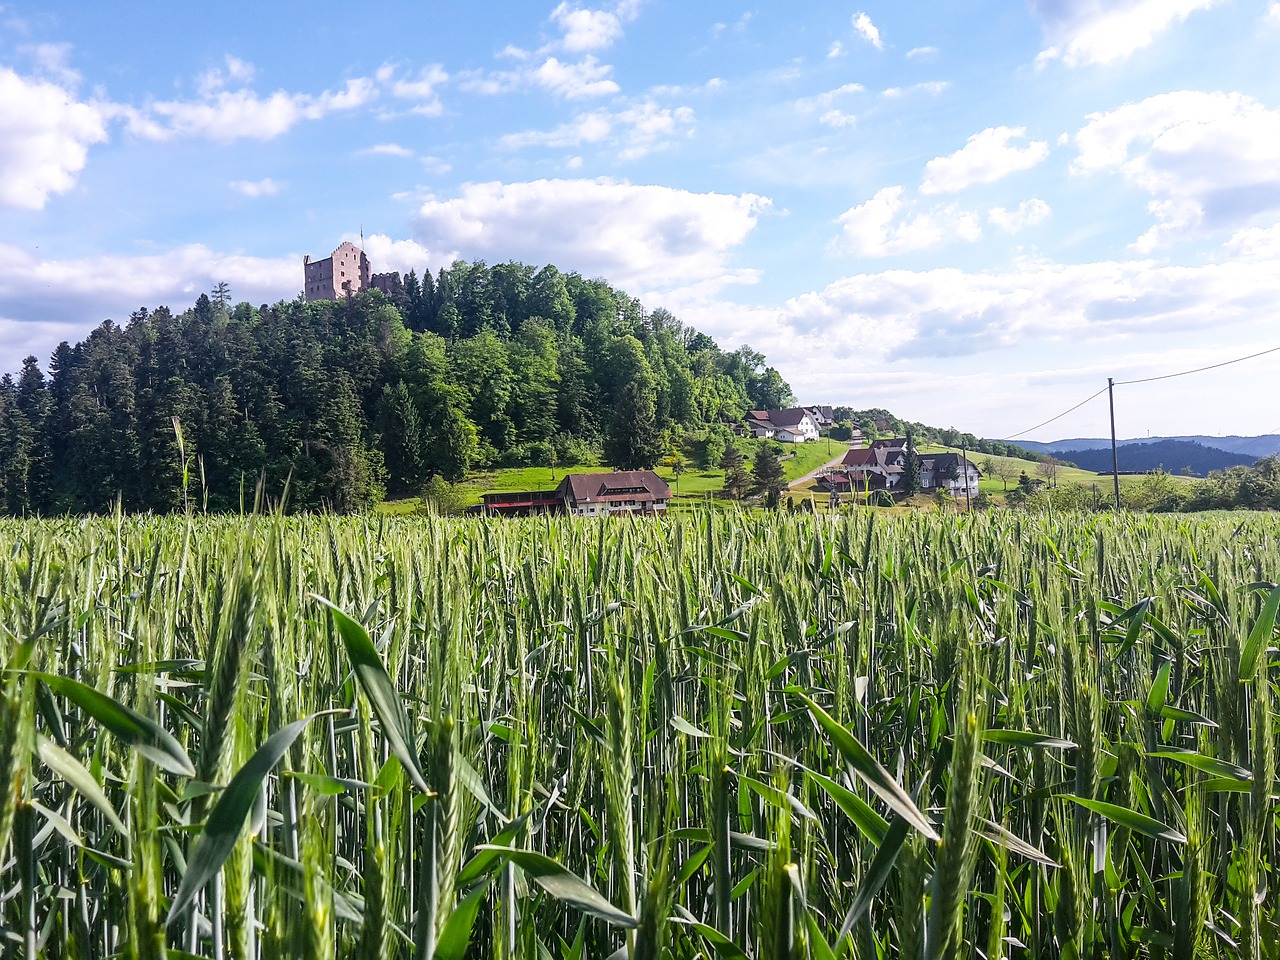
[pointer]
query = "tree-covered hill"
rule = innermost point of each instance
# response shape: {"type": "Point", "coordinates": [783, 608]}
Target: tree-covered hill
{"type": "Point", "coordinates": [348, 400]}
{"type": "Point", "coordinates": [1172, 456]}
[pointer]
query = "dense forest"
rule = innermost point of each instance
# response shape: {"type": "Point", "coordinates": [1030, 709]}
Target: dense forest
{"type": "Point", "coordinates": [1174, 456]}
{"type": "Point", "coordinates": [348, 401]}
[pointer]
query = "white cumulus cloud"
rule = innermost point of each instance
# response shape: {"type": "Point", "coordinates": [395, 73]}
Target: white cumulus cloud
{"type": "Point", "coordinates": [987, 156]}
{"type": "Point", "coordinates": [585, 29]}
{"type": "Point", "coordinates": [386, 253]}
{"type": "Point", "coordinates": [1106, 31]}
{"type": "Point", "coordinates": [386, 150]}
{"type": "Point", "coordinates": [1255, 243]}
{"type": "Point", "coordinates": [235, 71]}
{"type": "Point", "coordinates": [574, 81]}
{"type": "Point", "coordinates": [827, 105]}
{"type": "Point", "coordinates": [635, 131]}
{"type": "Point", "coordinates": [877, 227]}
{"type": "Point", "coordinates": [420, 87]}
{"type": "Point", "coordinates": [931, 86]}
{"type": "Point", "coordinates": [945, 312]}
{"type": "Point", "coordinates": [226, 115]}
{"type": "Point", "coordinates": [45, 142]}
{"type": "Point", "coordinates": [265, 187]}
{"type": "Point", "coordinates": [863, 26]}
{"type": "Point", "coordinates": [1209, 161]}
{"type": "Point", "coordinates": [639, 236]}
{"type": "Point", "coordinates": [1028, 214]}
{"type": "Point", "coordinates": [45, 301]}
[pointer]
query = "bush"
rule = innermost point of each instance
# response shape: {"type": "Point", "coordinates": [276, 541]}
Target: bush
{"type": "Point", "coordinates": [706, 447]}
{"type": "Point", "coordinates": [573, 451]}
{"type": "Point", "coordinates": [537, 453]}
{"type": "Point", "coordinates": [562, 450]}
{"type": "Point", "coordinates": [441, 498]}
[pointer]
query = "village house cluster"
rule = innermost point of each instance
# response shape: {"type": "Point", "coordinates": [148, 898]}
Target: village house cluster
{"type": "Point", "coordinates": [792, 425]}
{"type": "Point", "coordinates": [880, 466]}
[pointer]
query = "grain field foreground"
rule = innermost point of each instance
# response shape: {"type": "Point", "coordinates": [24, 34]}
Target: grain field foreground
{"type": "Point", "coordinates": [727, 735]}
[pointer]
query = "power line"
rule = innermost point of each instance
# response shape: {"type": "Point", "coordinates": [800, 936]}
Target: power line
{"type": "Point", "coordinates": [1014, 436]}
{"type": "Point", "coordinates": [1146, 379]}
{"type": "Point", "coordinates": [1212, 366]}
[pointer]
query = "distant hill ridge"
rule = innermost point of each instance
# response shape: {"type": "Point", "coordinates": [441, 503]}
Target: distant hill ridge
{"type": "Point", "coordinates": [1255, 447]}
{"type": "Point", "coordinates": [1172, 456]}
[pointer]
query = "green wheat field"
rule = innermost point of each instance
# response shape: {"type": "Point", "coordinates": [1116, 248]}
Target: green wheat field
{"type": "Point", "coordinates": [730, 735]}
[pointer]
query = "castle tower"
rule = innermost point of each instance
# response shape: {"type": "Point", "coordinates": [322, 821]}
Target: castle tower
{"type": "Point", "coordinates": [342, 274]}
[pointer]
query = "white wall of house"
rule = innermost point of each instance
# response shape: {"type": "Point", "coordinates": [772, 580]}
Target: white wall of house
{"type": "Point", "coordinates": [955, 485]}
{"type": "Point", "coordinates": [626, 506]}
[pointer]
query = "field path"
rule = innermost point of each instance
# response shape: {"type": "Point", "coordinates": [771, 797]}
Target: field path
{"type": "Point", "coordinates": [812, 474]}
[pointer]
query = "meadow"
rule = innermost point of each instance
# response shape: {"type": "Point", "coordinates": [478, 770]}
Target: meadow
{"type": "Point", "coordinates": [724, 734]}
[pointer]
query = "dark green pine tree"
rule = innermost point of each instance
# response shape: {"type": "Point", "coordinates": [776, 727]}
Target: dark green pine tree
{"type": "Point", "coordinates": [767, 477]}
{"type": "Point", "coordinates": [34, 405]}
{"type": "Point", "coordinates": [403, 445]}
{"type": "Point", "coordinates": [634, 441]}
{"type": "Point", "coordinates": [910, 484]}
{"type": "Point", "coordinates": [232, 454]}
{"type": "Point", "coordinates": [15, 450]}
{"type": "Point", "coordinates": [736, 479]}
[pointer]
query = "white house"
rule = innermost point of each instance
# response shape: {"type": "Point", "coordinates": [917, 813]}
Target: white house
{"type": "Point", "coordinates": [951, 472]}
{"type": "Point", "coordinates": [824, 416]}
{"type": "Point", "coordinates": [793, 425]}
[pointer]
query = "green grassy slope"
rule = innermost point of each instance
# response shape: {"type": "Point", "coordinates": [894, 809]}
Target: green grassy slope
{"type": "Point", "coordinates": [694, 483]}
{"type": "Point", "coordinates": [697, 484]}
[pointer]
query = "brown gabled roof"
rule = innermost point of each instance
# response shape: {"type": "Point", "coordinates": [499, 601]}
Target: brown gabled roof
{"type": "Point", "coordinates": [788, 418]}
{"type": "Point", "coordinates": [947, 461]}
{"type": "Point", "coordinates": [870, 457]}
{"type": "Point", "coordinates": [619, 485]}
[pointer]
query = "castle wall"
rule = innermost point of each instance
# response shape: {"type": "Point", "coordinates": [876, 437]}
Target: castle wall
{"type": "Point", "coordinates": [345, 273]}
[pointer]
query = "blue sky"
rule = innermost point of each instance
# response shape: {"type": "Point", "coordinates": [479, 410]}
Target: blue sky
{"type": "Point", "coordinates": [969, 213]}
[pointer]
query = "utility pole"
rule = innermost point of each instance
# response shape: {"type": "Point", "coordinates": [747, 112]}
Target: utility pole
{"type": "Point", "coordinates": [1115, 457]}
{"type": "Point", "coordinates": [964, 469]}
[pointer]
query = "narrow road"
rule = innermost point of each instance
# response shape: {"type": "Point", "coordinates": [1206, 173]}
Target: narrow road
{"type": "Point", "coordinates": [812, 474]}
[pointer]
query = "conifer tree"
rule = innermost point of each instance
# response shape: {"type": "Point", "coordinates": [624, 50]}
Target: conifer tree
{"type": "Point", "coordinates": [910, 468]}
{"type": "Point", "coordinates": [736, 479]}
{"type": "Point", "coordinates": [767, 477]}
{"type": "Point", "coordinates": [400, 429]}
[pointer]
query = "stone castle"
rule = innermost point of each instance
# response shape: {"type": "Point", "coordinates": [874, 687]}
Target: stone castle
{"type": "Point", "coordinates": [344, 273]}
